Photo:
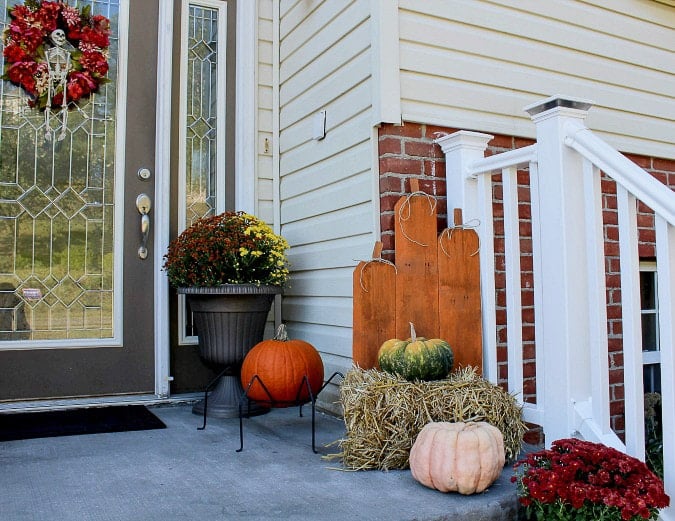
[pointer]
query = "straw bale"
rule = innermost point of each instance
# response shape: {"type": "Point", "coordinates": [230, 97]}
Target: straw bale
{"type": "Point", "coordinates": [384, 413]}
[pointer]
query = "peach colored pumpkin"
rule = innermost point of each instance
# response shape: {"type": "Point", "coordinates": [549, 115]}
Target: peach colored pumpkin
{"type": "Point", "coordinates": [458, 457]}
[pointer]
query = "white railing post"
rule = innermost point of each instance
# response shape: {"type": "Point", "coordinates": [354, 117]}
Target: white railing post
{"type": "Point", "coordinates": [665, 251]}
{"type": "Point", "coordinates": [474, 197]}
{"type": "Point", "coordinates": [564, 315]}
{"type": "Point", "coordinates": [461, 149]}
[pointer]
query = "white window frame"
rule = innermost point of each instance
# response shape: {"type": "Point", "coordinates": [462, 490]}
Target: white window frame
{"type": "Point", "coordinates": [221, 7]}
{"type": "Point", "coordinates": [652, 357]}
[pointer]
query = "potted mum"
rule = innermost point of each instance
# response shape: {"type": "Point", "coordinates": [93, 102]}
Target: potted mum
{"type": "Point", "coordinates": [578, 480]}
{"type": "Point", "coordinates": [229, 266]}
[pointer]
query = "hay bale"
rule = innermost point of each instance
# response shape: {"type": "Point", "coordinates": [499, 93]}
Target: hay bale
{"type": "Point", "coordinates": [384, 414]}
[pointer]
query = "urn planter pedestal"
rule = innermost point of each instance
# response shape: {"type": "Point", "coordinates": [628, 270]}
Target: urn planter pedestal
{"type": "Point", "coordinates": [230, 320]}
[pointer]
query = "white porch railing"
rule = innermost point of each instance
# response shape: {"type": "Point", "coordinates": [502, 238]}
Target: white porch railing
{"type": "Point", "coordinates": [572, 368]}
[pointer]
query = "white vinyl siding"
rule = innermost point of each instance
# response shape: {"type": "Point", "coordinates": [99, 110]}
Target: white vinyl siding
{"type": "Point", "coordinates": [474, 64]}
{"type": "Point", "coordinates": [326, 188]}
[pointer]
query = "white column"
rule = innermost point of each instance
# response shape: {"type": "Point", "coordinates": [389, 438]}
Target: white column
{"type": "Point", "coordinates": [246, 176]}
{"type": "Point", "coordinates": [564, 316]}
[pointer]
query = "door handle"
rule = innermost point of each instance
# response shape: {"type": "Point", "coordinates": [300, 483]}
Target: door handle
{"type": "Point", "coordinates": [144, 204]}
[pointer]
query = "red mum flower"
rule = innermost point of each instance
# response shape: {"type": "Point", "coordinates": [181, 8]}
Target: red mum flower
{"type": "Point", "coordinates": [80, 84]}
{"type": "Point", "coordinates": [15, 53]}
{"type": "Point", "coordinates": [48, 14]}
{"type": "Point", "coordinates": [95, 62]}
{"type": "Point", "coordinates": [23, 73]}
{"type": "Point", "coordinates": [97, 38]}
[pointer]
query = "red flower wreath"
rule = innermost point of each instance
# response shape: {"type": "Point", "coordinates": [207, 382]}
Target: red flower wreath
{"type": "Point", "coordinates": [26, 42]}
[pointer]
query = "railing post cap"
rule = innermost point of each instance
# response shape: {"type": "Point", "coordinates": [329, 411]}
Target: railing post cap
{"type": "Point", "coordinates": [464, 139]}
{"type": "Point", "coordinates": [558, 101]}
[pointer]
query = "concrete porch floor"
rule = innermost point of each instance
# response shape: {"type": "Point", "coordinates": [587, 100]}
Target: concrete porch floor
{"type": "Point", "coordinates": [181, 473]}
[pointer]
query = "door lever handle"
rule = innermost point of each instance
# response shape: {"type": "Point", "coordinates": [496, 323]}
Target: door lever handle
{"type": "Point", "coordinates": [143, 204]}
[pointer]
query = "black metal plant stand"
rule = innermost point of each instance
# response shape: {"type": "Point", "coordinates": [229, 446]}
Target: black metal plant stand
{"type": "Point", "coordinates": [251, 412]}
{"type": "Point", "coordinates": [277, 403]}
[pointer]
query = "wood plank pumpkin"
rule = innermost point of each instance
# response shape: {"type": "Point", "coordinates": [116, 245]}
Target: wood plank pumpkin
{"type": "Point", "coordinates": [458, 457]}
{"type": "Point", "coordinates": [374, 307]}
{"type": "Point", "coordinates": [274, 371]}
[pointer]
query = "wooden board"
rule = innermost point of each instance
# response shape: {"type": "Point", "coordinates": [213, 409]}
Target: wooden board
{"type": "Point", "coordinates": [416, 266]}
{"type": "Point", "coordinates": [374, 308]}
{"type": "Point", "coordinates": [459, 294]}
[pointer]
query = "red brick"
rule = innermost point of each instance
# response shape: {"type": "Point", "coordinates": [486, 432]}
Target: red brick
{"type": "Point", "coordinates": [618, 392]}
{"type": "Point", "coordinates": [527, 299]}
{"type": "Point", "coordinates": [612, 233]}
{"type": "Point", "coordinates": [647, 235]}
{"type": "Point", "coordinates": [534, 437]}
{"type": "Point", "coordinates": [645, 220]}
{"type": "Point", "coordinates": [405, 130]}
{"type": "Point", "coordinates": [523, 177]}
{"type": "Point", "coordinates": [613, 312]}
{"type": "Point", "coordinates": [389, 145]}
{"type": "Point", "coordinates": [661, 177]}
{"type": "Point", "coordinates": [609, 203]}
{"type": "Point", "coordinates": [617, 327]}
{"type": "Point", "coordinates": [614, 345]}
{"type": "Point", "coordinates": [422, 149]}
{"type": "Point", "coordinates": [529, 352]}
{"type": "Point", "coordinates": [523, 194]}
{"type": "Point", "coordinates": [387, 241]}
{"type": "Point", "coordinates": [434, 131]}
{"type": "Point", "coordinates": [387, 202]}
{"type": "Point", "coordinates": [528, 333]}
{"type": "Point", "coordinates": [663, 164]}
{"type": "Point", "coordinates": [615, 376]}
{"type": "Point", "coordinates": [432, 187]}
{"type": "Point", "coordinates": [530, 388]}
{"type": "Point", "coordinates": [619, 426]}
{"type": "Point", "coordinates": [435, 168]}
{"type": "Point", "coordinates": [612, 249]}
{"type": "Point", "coordinates": [387, 222]}
{"type": "Point", "coordinates": [647, 250]}
{"type": "Point", "coordinates": [641, 161]}
{"type": "Point", "coordinates": [501, 141]}
{"type": "Point", "coordinates": [520, 142]}
{"type": "Point", "coordinates": [391, 184]}
{"type": "Point", "coordinates": [401, 166]}
{"type": "Point", "coordinates": [616, 359]}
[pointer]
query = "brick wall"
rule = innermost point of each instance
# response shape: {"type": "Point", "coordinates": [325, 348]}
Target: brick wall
{"type": "Point", "coordinates": [408, 151]}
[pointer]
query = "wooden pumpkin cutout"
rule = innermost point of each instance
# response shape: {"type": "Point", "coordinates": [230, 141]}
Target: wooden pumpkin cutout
{"type": "Point", "coordinates": [374, 311]}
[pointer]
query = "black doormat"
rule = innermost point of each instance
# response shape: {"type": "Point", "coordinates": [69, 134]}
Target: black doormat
{"type": "Point", "coordinates": [95, 420]}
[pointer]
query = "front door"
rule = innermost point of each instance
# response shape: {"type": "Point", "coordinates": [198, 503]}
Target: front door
{"type": "Point", "coordinates": [76, 288]}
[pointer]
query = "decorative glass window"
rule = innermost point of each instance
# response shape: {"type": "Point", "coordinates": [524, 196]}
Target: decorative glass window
{"type": "Point", "coordinates": [59, 195]}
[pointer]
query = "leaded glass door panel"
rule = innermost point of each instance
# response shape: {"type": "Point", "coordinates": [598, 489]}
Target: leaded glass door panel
{"type": "Point", "coordinates": [76, 300]}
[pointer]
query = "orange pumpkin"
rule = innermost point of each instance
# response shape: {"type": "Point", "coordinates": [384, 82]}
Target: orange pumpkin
{"type": "Point", "coordinates": [458, 457]}
{"type": "Point", "coordinates": [281, 366]}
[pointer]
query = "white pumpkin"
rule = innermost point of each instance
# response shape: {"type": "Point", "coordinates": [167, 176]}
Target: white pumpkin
{"type": "Point", "coordinates": [458, 457]}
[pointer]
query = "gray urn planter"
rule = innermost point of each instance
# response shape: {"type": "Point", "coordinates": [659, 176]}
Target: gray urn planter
{"type": "Point", "coordinates": [230, 320]}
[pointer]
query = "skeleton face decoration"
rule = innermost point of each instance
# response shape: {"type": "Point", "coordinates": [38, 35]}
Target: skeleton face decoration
{"type": "Point", "coordinates": [58, 36]}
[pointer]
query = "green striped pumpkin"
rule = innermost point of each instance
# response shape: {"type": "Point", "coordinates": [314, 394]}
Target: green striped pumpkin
{"type": "Point", "coordinates": [416, 358]}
